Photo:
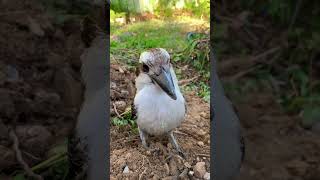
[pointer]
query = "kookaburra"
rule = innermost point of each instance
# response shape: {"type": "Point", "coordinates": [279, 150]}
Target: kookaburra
{"type": "Point", "coordinates": [159, 104]}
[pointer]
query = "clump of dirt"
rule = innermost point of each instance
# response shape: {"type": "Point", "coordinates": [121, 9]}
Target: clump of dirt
{"type": "Point", "coordinates": [130, 160]}
{"type": "Point", "coordinates": [40, 86]}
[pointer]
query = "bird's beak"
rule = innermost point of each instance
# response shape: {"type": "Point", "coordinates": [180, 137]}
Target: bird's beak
{"type": "Point", "coordinates": [164, 80]}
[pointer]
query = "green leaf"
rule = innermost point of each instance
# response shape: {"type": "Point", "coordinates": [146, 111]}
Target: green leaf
{"type": "Point", "coordinates": [19, 177]}
{"type": "Point", "coordinates": [310, 115]}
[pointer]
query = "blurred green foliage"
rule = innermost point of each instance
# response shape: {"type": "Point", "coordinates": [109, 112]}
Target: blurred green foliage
{"type": "Point", "coordinates": [298, 29]}
{"type": "Point", "coordinates": [65, 10]}
{"type": "Point", "coordinates": [163, 8]}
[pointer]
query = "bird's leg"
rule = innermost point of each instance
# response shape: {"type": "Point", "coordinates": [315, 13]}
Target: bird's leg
{"type": "Point", "coordinates": [143, 137]}
{"type": "Point", "coordinates": [175, 144]}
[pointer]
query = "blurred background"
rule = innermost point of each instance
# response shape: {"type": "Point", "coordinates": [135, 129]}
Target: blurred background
{"type": "Point", "coordinates": [268, 58]}
{"type": "Point", "coordinates": [41, 42]}
{"type": "Point", "coordinates": [181, 27]}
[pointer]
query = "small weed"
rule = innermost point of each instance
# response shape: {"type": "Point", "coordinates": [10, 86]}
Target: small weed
{"type": "Point", "coordinates": [126, 120]}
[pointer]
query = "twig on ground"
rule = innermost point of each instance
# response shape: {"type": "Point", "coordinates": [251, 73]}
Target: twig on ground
{"type": "Point", "coordinates": [185, 82]}
{"type": "Point", "coordinates": [116, 111]}
{"type": "Point", "coordinates": [295, 14]}
{"type": "Point", "coordinates": [145, 169]}
{"type": "Point", "coordinates": [181, 133]}
{"type": "Point", "coordinates": [25, 166]}
{"type": "Point", "coordinates": [265, 54]}
{"type": "Point", "coordinates": [203, 155]}
{"type": "Point", "coordinates": [242, 73]}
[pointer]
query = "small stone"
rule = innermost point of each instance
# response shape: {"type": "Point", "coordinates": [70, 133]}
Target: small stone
{"type": "Point", "coordinates": [113, 85]}
{"type": "Point", "coordinates": [124, 93]}
{"type": "Point", "coordinates": [199, 169]}
{"type": "Point", "coordinates": [201, 132]}
{"type": "Point", "coordinates": [200, 143]}
{"type": "Point", "coordinates": [191, 173]}
{"type": "Point", "coordinates": [206, 176]}
{"type": "Point", "coordinates": [203, 114]}
{"type": "Point", "coordinates": [126, 170]}
{"type": "Point", "coordinates": [186, 164]}
{"type": "Point", "coordinates": [121, 106]}
{"type": "Point", "coordinates": [155, 177]}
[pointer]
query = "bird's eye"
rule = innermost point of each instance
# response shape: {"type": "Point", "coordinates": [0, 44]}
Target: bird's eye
{"type": "Point", "coordinates": [145, 68]}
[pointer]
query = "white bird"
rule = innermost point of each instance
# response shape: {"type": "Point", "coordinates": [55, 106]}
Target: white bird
{"type": "Point", "coordinates": [159, 104]}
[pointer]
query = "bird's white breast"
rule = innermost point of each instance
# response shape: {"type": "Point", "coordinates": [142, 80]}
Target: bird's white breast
{"type": "Point", "coordinates": [157, 112]}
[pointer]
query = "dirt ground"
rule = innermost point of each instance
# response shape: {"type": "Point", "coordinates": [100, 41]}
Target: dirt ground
{"type": "Point", "coordinates": [277, 148]}
{"type": "Point", "coordinates": [40, 86]}
{"type": "Point", "coordinates": [127, 152]}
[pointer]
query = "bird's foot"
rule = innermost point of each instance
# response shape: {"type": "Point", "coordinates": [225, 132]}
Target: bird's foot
{"type": "Point", "coordinates": [143, 137]}
{"type": "Point", "coordinates": [175, 144]}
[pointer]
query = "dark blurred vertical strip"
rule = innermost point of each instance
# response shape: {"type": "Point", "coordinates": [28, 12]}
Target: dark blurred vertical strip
{"type": "Point", "coordinates": [107, 20]}
{"type": "Point", "coordinates": [212, 95]}
{"type": "Point", "coordinates": [89, 146]}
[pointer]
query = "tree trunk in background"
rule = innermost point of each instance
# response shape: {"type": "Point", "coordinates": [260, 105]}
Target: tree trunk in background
{"type": "Point", "coordinates": [128, 17]}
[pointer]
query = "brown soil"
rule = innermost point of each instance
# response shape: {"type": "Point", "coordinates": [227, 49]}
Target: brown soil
{"type": "Point", "coordinates": [126, 149]}
{"type": "Point", "coordinates": [277, 148]}
{"type": "Point", "coordinates": [40, 87]}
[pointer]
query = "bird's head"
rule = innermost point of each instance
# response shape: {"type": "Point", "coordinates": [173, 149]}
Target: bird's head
{"type": "Point", "coordinates": [156, 64]}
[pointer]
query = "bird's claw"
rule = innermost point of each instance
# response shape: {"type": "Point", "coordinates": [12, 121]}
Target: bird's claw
{"type": "Point", "coordinates": [182, 154]}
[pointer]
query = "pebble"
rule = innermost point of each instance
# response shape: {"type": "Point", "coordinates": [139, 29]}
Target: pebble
{"type": "Point", "coordinates": [113, 85]}
{"type": "Point", "coordinates": [124, 93]}
{"type": "Point", "coordinates": [155, 177]}
{"type": "Point", "coordinates": [121, 106]}
{"type": "Point", "coordinates": [186, 164]}
{"type": "Point", "coordinates": [191, 173]}
{"type": "Point", "coordinates": [206, 176]}
{"type": "Point", "coordinates": [126, 170]}
{"type": "Point", "coordinates": [200, 143]}
{"type": "Point", "coordinates": [199, 169]}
